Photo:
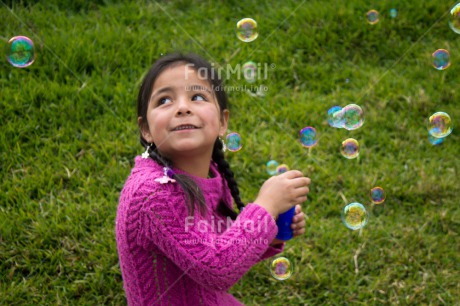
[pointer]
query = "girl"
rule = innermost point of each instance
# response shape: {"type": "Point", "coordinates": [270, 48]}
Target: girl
{"type": "Point", "coordinates": [180, 242]}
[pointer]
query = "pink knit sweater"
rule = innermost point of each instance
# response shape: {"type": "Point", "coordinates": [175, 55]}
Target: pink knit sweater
{"type": "Point", "coordinates": [169, 258]}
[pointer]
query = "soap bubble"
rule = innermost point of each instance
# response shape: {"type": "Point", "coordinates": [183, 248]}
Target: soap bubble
{"type": "Point", "coordinates": [272, 167]}
{"type": "Point", "coordinates": [454, 18]}
{"type": "Point", "coordinates": [355, 216]}
{"type": "Point", "coordinates": [441, 59]}
{"type": "Point", "coordinates": [250, 71]}
{"type": "Point", "coordinates": [308, 137]}
{"type": "Point", "coordinates": [246, 30]}
{"type": "Point", "coordinates": [281, 268]}
{"type": "Point", "coordinates": [393, 13]}
{"type": "Point", "coordinates": [234, 142]}
{"type": "Point", "coordinates": [350, 148]}
{"type": "Point", "coordinates": [282, 168]}
{"type": "Point", "coordinates": [439, 125]}
{"type": "Point", "coordinates": [377, 195]}
{"type": "Point", "coordinates": [20, 51]}
{"type": "Point", "coordinates": [435, 141]}
{"type": "Point", "coordinates": [335, 117]}
{"type": "Point", "coordinates": [372, 16]}
{"type": "Point", "coordinates": [352, 117]}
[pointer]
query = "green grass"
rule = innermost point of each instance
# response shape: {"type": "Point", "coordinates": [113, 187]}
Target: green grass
{"type": "Point", "coordinates": [69, 137]}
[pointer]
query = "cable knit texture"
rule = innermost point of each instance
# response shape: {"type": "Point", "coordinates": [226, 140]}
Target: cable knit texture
{"type": "Point", "coordinates": [169, 258]}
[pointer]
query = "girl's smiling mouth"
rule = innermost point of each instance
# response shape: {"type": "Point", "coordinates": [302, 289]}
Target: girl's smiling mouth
{"type": "Point", "coordinates": [185, 127]}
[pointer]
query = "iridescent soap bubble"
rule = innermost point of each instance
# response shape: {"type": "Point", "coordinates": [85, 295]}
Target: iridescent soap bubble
{"type": "Point", "coordinates": [393, 13]}
{"type": "Point", "coordinates": [372, 16]}
{"type": "Point", "coordinates": [234, 142]}
{"type": "Point", "coordinates": [308, 137]}
{"type": "Point", "coordinates": [246, 30]}
{"type": "Point", "coordinates": [353, 117]}
{"type": "Point", "coordinates": [454, 18]}
{"type": "Point", "coordinates": [439, 125]}
{"type": "Point", "coordinates": [350, 148]}
{"type": "Point", "coordinates": [377, 195]}
{"type": "Point", "coordinates": [435, 141]}
{"type": "Point", "coordinates": [281, 268]}
{"type": "Point", "coordinates": [250, 71]}
{"type": "Point", "coordinates": [355, 216]}
{"type": "Point", "coordinates": [272, 167]}
{"type": "Point", "coordinates": [282, 168]}
{"type": "Point", "coordinates": [20, 51]}
{"type": "Point", "coordinates": [335, 117]}
{"type": "Point", "coordinates": [441, 59]}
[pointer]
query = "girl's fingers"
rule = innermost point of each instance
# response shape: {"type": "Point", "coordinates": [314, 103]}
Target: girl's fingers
{"type": "Point", "coordinates": [296, 174]}
{"type": "Point", "coordinates": [301, 182]}
{"type": "Point", "coordinates": [299, 224]}
{"type": "Point", "coordinates": [292, 174]}
{"type": "Point", "coordinates": [298, 209]}
{"type": "Point", "coordinates": [299, 232]}
{"type": "Point", "coordinates": [301, 191]}
{"type": "Point", "coordinates": [299, 200]}
{"type": "Point", "coordinates": [299, 216]}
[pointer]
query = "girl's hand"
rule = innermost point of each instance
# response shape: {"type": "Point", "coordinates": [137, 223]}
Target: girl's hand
{"type": "Point", "coordinates": [298, 221]}
{"type": "Point", "coordinates": [279, 193]}
{"type": "Point", "coordinates": [298, 225]}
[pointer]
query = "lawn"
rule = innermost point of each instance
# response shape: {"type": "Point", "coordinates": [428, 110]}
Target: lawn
{"type": "Point", "coordinates": [69, 138]}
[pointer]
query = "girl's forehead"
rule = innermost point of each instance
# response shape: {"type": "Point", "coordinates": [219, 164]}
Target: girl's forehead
{"type": "Point", "coordinates": [183, 73]}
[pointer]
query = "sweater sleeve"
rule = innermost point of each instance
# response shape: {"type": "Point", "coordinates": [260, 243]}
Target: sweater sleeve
{"type": "Point", "coordinates": [216, 261]}
{"type": "Point", "coordinates": [272, 251]}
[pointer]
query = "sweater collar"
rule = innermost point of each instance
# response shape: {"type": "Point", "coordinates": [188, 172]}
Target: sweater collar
{"type": "Point", "coordinates": [212, 185]}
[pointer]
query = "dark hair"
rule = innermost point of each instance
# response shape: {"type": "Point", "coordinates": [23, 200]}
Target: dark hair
{"type": "Point", "coordinates": [194, 195]}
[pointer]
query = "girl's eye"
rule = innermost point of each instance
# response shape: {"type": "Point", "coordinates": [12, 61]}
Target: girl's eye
{"type": "Point", "coordinates": [198, 98]}
{"type": "Point", "coordinates": [163, 101]}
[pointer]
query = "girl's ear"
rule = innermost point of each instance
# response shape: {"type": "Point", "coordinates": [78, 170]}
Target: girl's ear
{"type": "Point", "coordinates": [224, 122]}
{"type": "Point", "coordinates": [144, 130]}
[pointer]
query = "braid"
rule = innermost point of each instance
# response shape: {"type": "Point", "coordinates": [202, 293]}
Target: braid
{"type": "Point", "coordinates": [192, 190]}
{"type": "Point", "coordinates": [224, 168]}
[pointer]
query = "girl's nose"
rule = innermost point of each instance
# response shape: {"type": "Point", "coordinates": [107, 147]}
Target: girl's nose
{"type": "Point", "coordinates": [183, 108]}
{"type": "Point", "coordinates": [184, 113]}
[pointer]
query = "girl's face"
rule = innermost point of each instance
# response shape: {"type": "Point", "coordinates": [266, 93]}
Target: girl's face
{"type": "Point", "coordinates": [183, 115]}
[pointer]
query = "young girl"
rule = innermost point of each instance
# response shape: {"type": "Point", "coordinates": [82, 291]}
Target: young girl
{"type": "Point", "coordinates": [180, 242]}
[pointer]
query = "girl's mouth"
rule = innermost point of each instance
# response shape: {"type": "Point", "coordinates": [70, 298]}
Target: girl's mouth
{"type": "Point", "coordinates": [185, 127]}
